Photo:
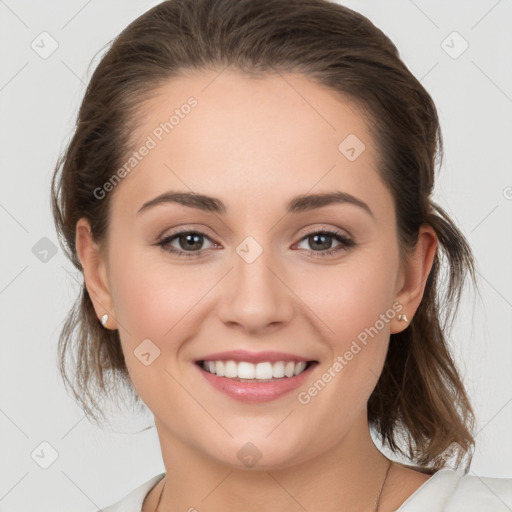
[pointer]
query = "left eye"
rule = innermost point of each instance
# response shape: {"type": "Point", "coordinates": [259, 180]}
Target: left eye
{"type": "Point", "coordinates": [192, 241]}
{"type": "Point", "coordinates": [319, 238]}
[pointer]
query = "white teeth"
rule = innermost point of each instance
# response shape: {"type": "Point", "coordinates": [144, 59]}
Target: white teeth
{"type": "Point", "coordinates": [299, 368]}
{"type": "Point", "coordinates": [289, 369]}
{"type": "Point", "coordinates": [219, 368]}
{"type": "Point", "coordinates": [262, 371]}
{"type": "Point", "coordinates": [246, 370]}
{"type": "Point", "coordinates": [278, 370]}
{"type": "Point", "coordinates": [230, 370]}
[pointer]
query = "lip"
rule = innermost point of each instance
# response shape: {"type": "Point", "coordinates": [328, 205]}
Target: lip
{"type": "Point", "coordinates": [256, 392]}
{"type": "Point", "coordinates": [253, 357]}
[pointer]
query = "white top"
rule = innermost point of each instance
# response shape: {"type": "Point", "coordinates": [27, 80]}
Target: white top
{"type": "Point", "coordinates": [444, 491]}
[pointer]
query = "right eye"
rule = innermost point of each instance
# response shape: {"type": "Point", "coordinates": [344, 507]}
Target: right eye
{"type": "Point", "coordinates": [186, 240]}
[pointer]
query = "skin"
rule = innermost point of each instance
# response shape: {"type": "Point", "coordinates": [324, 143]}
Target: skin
{"type": "Point", "coordinates": [253, 142]}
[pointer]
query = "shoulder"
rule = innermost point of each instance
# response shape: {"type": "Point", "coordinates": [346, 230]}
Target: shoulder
{"type": "Point", "coordinates": [132, 502]}
{"type": "Point", "coordinates": [448, 491]}
{"type": "Point", "coordinates": [481, 493]}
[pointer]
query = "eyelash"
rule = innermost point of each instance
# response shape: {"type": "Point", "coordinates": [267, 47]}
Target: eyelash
{"type": "Point", "coordinates": [346, 243]}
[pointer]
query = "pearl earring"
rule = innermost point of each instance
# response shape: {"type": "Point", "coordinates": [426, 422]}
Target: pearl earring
{"type": "Point", "coordinates": [403, 317]}
{"type": "Point", "coordinates": [104, 320]}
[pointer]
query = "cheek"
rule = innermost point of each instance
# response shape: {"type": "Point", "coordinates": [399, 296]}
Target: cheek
{"type": "Point", "coordinates": [356, 311]}
{"type": "Point", "coordinates": [153, 301]}
{"type": "Point", "coordinates": [351, 297]}
{"type": "Point", "coordinates": [150, 295]}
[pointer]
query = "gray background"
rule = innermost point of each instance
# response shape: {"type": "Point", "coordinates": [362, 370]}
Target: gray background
{"type": "Point", "coordinates": [38, 102]}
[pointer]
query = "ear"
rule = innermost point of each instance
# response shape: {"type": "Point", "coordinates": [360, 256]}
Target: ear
{"type": "Point", "coordinates": [413, 276]}
{"type": "Point", "coordinates": [95, 272]}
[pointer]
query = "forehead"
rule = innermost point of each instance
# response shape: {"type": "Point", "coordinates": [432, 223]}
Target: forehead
{"type": "Point", "coordinates": [247, 138]}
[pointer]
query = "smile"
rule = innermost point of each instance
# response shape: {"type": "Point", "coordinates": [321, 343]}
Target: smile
{"type": "Point", "coordinates": [263, 371]}
{"type": "Point", "coordinates": [261, 382]}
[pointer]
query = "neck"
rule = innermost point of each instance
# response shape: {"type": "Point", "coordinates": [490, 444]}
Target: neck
{"type": "Point", "coordinates": [350, 473]}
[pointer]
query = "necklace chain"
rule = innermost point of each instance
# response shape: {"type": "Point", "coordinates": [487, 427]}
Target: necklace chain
{"type": "Point", "coordinates": [377, 500]}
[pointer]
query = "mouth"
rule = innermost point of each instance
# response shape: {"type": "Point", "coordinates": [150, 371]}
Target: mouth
{"type": "Point", "coordinates": [260, 382]}
{"type": "Point", "coordinates": [244, 371]}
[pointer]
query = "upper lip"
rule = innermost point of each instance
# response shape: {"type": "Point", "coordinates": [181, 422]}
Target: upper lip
{"type": "Point", "coordinates": [253, 357]}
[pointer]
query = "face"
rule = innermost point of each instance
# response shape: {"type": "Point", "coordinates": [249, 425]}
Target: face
{"type": "Point", "coordinates": [261, 273]}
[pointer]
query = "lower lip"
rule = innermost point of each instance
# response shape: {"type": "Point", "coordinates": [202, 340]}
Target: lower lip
{"type": "Point", "coordinates": [256, 391]}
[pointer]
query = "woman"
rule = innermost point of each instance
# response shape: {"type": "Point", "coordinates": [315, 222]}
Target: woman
{"type": "Point", "coordinates": [248, 195]}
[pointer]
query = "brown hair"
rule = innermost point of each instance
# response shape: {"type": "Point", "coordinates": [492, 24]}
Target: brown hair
{"type": "Point", "coordinates": [419, 406]}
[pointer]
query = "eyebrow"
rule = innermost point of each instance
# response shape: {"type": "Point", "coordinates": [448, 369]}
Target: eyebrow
{"type": "Point", "coordinates": [295, 205]}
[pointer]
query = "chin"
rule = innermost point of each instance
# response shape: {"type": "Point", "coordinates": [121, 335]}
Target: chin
{"type": "Point", "coordinates": [260, 455]}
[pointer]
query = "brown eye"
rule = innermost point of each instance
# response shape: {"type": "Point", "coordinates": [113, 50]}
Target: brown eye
{"type": "Point", "coordinates": [188, 242]}
{"type": "Point", "coordinates": [191, 243]}
{"type": "Point", "coordinates": [321, 242]}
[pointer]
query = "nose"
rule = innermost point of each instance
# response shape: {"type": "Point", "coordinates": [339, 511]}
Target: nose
{"type": "Point", "coordinates": [255, 297]}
